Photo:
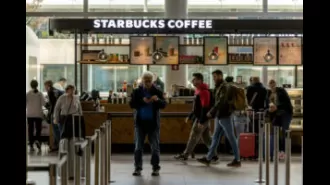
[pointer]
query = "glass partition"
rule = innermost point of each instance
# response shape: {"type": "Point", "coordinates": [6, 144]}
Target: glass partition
{"type": "Point", "coordinates": [54, 5]}
{"type": "Point", "coordinates": [282, 74]}
{"type": "Point", "coordinates": [300, 77]}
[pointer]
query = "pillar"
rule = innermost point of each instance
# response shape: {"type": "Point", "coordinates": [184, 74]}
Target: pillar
{"type": "Point", "coordinates": [175, 9]}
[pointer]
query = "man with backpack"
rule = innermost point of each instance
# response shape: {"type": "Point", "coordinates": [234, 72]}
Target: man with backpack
{"type": "Point", "coordinates": [227, 99]}
{"type": "Point", "coordinates": [200, 128]}
{"type": "Point", "coordinates": [53, 94]}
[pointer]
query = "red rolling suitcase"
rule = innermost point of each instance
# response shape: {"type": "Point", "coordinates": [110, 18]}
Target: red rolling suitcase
{"type": "Point", "coordinates": [247, 143]}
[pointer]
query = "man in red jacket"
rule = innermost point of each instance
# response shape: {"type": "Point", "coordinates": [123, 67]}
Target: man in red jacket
{"type": "Point", "coordinates": [200, 128]}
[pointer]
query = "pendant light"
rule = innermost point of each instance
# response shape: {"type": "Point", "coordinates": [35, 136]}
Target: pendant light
{"type": "Point", "coordinates": [268, 56]}
{"type": "Point", "coordinates": [157, 55]}
{"type": "Point", "coordinates": [102, 56]}
{"type": "Point", "coordinates": [213, 55]}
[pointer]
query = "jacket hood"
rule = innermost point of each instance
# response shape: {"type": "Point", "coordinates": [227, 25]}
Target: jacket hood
{"type": "Point", "coordinates": [203, 86]}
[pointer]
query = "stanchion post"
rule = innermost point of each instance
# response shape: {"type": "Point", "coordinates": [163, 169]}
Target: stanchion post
{"type": "Point", "coordinates": [267, 152]}
{"type": "Point", "coordinates": [77, 166]}
{"type": "Point", "coordinates": [88, 162]}
{"type": "Point", "coordinates": [63, 170]}
{"type": "Point", "coordinates": [97, 157]}
{"type": "Point", "coordinates": [260, 147]}
{"type": "Point", "coordinates": [109, 151]}
{"type": "Point", "coordinates": [302, 160]}
{"type": "Point", "coordinates": [287, 157]}
{"type": "Point", "coordinates": [106, 149]}
{"type": "Point", "coordinates": [276, 150]}
{"type": "Point", "coordinates": [102, 165]}
{"type": "Point", "coordinates": [52, 174]}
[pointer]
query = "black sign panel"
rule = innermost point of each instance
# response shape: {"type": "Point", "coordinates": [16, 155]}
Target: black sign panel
{"type": "Point", "coordinates": [175, 26]}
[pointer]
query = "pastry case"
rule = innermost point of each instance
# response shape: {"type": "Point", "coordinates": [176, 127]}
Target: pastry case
{"type": "Point", "coordinates": [296, 96]}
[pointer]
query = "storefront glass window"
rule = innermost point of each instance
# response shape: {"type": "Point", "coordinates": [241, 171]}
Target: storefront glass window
{"type": "Point", "coordinates": [285, 5]}
{"type": "Point", "coordinates": [246, 71]}
{"type": "Point", "coordinates": [111, 77]}
{"type": "Point", "coordinates": [225, 5]}
{"type": "Point", "coordinates": [126, 5]}
{"type": "Point", "coordinates": [55, 71]}
{"type": "Point", "coordinates": [281, 74]}
{"type": "Point", "coordinates": [300, 77]}
{"type": "Point", "coordinates": [54, 5]}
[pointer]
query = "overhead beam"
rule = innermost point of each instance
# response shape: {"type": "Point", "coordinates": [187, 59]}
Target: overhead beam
{"type": "Point", "coordinates": [268, 15]}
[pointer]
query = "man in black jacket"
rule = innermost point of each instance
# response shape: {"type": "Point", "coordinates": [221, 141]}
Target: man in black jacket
{"type": "Point", "coordinates": [53, 94]}
{"type": "Point", "coordinates": [256, 95]}
{"type": "Point", "coordinates": [147, 100]}
{"type": "Point", "coordinates": [200, 128]}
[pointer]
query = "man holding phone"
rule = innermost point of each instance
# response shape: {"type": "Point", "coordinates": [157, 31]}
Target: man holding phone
{"type": "Point", "coordinates": [147, 100]}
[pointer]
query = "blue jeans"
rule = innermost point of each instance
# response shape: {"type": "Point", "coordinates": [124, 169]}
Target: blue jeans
{"type": "Point", "coordinates": [285, 121]}
{"type": "Point", "coordinates": [228, 128]}
{"type": "Point", "coordinates": [217, 134]}
{"type": "Point", "coordinates": [240, 122]}
{"type": "Point", "coordinates": [56, 134]}
{"type": "Point", "coordinates": [153, 137]}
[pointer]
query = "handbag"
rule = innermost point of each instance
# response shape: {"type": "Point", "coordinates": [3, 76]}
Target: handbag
{"type": "Point", "coordinates": [64, 118]}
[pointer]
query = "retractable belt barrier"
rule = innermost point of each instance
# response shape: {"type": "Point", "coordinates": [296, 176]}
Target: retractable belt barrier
{"type": "Point", "coordinates": [102, 160]}
{"type": "Point", "coordinates": [52, 169]}
{"type": "Point", "coordinates": [276, 157]}
{"type": "Point", "coordinates": [261, 124]}
{"type": "Point", "coordinates": [102, 156]}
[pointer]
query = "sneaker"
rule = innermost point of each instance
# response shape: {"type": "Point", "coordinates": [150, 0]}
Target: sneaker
{"type": "Point", "coordinates": [137, 172]}
{"type": "Point", "coordinates": [234, 163]}
{"type": "Point", "coordinates": [204, 160]}
{"type": "Point", "coordinates": [181, 157]}
{"type": "Point", "coordinates": [155, 173]}
{"type": "Point", "coordinates": [281, 155]}
{"type": "Point", "coordinates": [215, 160]}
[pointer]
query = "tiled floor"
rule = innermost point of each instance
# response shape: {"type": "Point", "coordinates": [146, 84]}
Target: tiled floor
{"type": "Point", "coordinates": [179, 173]}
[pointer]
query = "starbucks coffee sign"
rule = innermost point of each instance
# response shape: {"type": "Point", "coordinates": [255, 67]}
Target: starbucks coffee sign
{"type": "Point", "coordinates": [152, 24]}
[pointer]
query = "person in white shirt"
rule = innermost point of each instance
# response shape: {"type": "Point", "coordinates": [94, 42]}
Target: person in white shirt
{"type": "Point", "coordinates": [35, 100]}
{"type": "Point", "coordinates": [60, 84]}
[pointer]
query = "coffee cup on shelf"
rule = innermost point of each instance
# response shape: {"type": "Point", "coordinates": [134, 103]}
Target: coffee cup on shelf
{"type": "Point", "coordinates": [136, 53]}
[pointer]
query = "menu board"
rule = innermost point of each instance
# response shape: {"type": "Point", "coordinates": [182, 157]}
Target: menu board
{"type": "Point", "coordinates": [265, 51]}
{"type": "Point", "coordinates": [290, 51]}
{"type": "Point", "coordinates": [141, 50]}
{"type": "Point", "coordinates": [167, 51]}
{"type": "Point", "coordinates": [215, 50]}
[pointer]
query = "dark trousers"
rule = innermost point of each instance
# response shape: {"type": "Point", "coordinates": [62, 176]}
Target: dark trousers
{"type": "Point", "coordinates": [140, 134]}
{"type": "Point", "coordinates": [34, 123]}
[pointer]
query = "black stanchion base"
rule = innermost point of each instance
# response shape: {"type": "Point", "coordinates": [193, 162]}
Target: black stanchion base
{"type": "Point", "coordinates": [112, 181]}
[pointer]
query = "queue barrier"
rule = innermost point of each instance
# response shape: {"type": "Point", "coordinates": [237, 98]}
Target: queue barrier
{"type": "Point", "coordinates": [102, 160]}
{"type": "Point", "coordinates": [287, 172]}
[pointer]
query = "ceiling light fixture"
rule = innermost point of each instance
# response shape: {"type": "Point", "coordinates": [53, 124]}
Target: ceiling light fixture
{"type": "Point", "coordinates": [268, 56]}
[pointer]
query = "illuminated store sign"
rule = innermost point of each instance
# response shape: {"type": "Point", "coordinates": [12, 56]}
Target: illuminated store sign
{"type": "Point", "coordinates": [156, 24]}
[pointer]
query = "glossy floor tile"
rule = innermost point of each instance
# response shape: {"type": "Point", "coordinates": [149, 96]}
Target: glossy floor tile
{"type": "Point", "coordinates": [177, 173]}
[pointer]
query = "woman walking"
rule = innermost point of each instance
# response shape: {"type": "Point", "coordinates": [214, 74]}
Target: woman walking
{"type": "Point", "coordinates": [35, 100]}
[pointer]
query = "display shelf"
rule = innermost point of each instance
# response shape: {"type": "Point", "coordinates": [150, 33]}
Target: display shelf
{"type": "Point", "coordinates": [99, 62]}
{"type": "Point", "coordinates": [104, 44]}
{"type": "Point", "coordinates": [296, 97]}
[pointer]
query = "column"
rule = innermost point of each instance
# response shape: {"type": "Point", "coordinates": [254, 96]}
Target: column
{"type": "Point", "coordinates": [175, 9]}
{"type": "Point", "coordinates": [264, 6]}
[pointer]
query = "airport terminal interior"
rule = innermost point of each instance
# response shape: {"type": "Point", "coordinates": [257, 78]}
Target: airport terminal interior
{"type": "Point", "coordinates": [105, 52]}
